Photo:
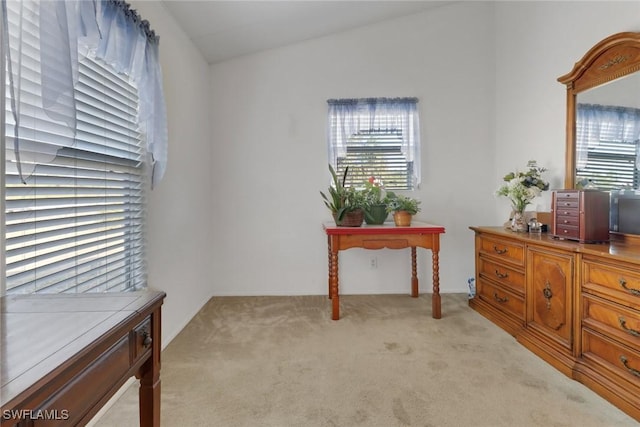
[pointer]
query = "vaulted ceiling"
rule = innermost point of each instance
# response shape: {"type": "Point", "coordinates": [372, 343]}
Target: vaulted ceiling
{"type": "Point", "coordinates": [226, 29]}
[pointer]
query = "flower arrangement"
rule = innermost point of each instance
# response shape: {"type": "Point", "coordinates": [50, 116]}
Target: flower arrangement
{"type": "Point", "coordinates": [375, 201]}
{"type": "Point", "coordinates": [522, 187]}
{"type": "Point", "coordinates": [374, 191]}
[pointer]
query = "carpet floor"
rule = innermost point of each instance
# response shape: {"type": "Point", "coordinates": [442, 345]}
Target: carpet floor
{"type": "Point", "coordinates": [282, 361]}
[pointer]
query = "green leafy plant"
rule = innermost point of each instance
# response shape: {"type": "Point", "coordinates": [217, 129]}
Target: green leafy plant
{"type": "Point", "coordinates": [374, 192]}
{"type": "Point", "coordinates": [342, 199]}
{"type": "Point", "coordinates": [399, 202]}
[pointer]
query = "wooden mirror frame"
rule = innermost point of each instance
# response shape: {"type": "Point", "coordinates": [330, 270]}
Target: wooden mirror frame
{"type": "Point", "coordinates": [612, 58]}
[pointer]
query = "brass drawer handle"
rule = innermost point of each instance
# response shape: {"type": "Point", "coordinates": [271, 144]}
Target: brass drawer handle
{"type": "Point", "coordinates": [499, 251]}
{"type": "Point", "coordinates": [498, 299]}
{"type": "Point", "coordinates": [623, 284]}
{"type": "Point", "coordinates": [501, 275]}
{"type": "Point", "coordinates": [546, 292]}
{"type": "Point", "coordinates": [631, 370]}
{"type": "Point", "coordinates": [623, 325]}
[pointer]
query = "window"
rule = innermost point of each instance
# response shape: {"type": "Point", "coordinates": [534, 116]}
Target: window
{"type": "Point", "coordinates": [377, 137]}
{"type": "Point", "coordinates": [75, 195]}
{"type": "Point", "coordinates": [607, 145]}
{"type": "Point", "coordinates": [76, 225]}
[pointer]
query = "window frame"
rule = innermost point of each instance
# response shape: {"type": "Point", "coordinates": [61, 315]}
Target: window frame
{"type": "Point", "coordinates": [351, 121]}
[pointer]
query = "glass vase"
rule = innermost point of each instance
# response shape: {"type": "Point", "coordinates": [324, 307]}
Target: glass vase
{"type": "Point", "coordinates": [518, 223]}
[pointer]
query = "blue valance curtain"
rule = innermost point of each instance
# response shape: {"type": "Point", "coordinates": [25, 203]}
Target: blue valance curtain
{"type": "Point", "coordinates": [353, 115]}
{"type": "Point", "coordinates": [67, 32]}
{"type": "Point", "coordinates": [596, 123]}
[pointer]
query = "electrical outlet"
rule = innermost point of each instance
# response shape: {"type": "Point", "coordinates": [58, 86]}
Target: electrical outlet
{"type": "Point", "coordinates": [373, 263]}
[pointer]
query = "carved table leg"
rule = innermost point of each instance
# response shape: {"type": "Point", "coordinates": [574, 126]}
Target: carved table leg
{"type": "Point", "coordinates": [435, 298]}
{"type": "Point", "coordinates": [414, 273]}
{"type": "Point", "coordinates": [333, 281]}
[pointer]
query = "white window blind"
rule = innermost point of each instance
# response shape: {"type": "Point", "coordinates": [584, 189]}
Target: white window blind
{"type": "Point", "coordinates": [77, 225]}
{"type": "Point", "coordinates": [607, 145]}
{"type": "Point", "coordinates": [377, 153]}
{"type": "Point", "coordinates": [611, 165]}
{"type": "Point", "coordinates": [375, 137]}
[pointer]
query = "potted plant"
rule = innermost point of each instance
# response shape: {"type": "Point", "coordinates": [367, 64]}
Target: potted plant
{"type": "Point", "coordinates": [375, 207]}
{"type": "Point", "coordinates": [403, 208]}
{"type": "Point", "coordinates": [346, 204]}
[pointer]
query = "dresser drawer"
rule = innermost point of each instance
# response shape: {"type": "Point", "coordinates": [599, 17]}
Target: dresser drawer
{"type": "Point", "coordinates": [507, 277]}
{"type": "Point", "coordinates": [567, 231]}
{"type": "Point", "coordinates": [612, 320]}
{"type": "Point", "coordinates": [141, 339]}
{"type": "Point", "coordinates": [507, 250]}
{"type": "Point", "coordinates": [568, 207]}
{"type": "Point", "coordinates": [98, 377]}
{"type": "Point", "coordinates": [567, 196]}
{"type": "Point", "coordinates": [617, 284]}
{"type": "Point", "coordinates": [501, 298]}
{"type": "Point", "coordinates": [568, 221]}
{"type": "Point", "coordinates": [614, 357]}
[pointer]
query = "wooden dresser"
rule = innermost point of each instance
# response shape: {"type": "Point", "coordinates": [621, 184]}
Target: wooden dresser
{"type": "Point", "coordinates": [64, 355]}
{"type": "Point", "coordinates": [576, 305]}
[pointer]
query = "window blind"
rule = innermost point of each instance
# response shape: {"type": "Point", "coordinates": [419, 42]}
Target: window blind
{"type": "Point", "coordinates": [607, 144]}
{"type": "Point", "coordinates": [375, 137]}
{"type": "Point", "coordinates": [77, 224]}
{"type": "Point", "coordinates": [611, 165]}
{"type": "Point", "coordinates": [378, 153]}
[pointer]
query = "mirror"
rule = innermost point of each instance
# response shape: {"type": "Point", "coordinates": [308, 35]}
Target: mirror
{"type": "Point", "coordinates": [603, 93]}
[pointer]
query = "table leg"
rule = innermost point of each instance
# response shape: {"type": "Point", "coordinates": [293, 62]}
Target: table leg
{"type": "Point", "coordinates": [414, 274]}
{"type": "Point", "coordinates": [149, 375]}
{"type": "Point", "coordinates": [329, 269]}
{"type": "Point", "coordinates": [435, 298]}
{"type": "Point", "coordinates": [333, 281]}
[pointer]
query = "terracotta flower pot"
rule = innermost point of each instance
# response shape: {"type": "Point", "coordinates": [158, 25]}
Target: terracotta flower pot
{"type": "Point", "coordinates": [402, 218]}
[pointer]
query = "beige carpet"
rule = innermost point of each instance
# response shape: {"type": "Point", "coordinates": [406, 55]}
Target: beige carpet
{"type": "Point", "coordinates": [281, 361]}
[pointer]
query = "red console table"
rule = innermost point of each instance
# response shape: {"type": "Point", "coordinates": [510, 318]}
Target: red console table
{"type": "Point", "coordinates": [418, 234]}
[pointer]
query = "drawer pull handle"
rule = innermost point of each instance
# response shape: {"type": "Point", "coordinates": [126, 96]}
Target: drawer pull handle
{"type": "Point", "coordinates": [623, 284]}
{"type": "Point", "coordinates": [501, 275]}
{"type": "Point", "coordinates": [499, 251]}
{"type": "Point", "coordinates": [146, 339]}
{"type": "Point", "coordinates": [546, 292]}
{"type": "Point", "coordinates": [567, 204]}
{"type": "Point", "coordinates": [623, 325]}
{"type": "Point", "coordinates": [625, 363]}
{"type": "Point", "coordinates": [498, 299]}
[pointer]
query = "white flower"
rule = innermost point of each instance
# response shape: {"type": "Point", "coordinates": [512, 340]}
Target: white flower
{"type": "Point", "coordinates": [522, 187]}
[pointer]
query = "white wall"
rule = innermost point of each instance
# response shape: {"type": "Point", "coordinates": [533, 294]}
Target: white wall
{"type": "Point", "coordinates": [537, 42]}
{"type": "Point", "coordinates": [270, 156]}
{"type": "Point", "coordinates": [239, 212]}
{"type": "Point", "coordinates": [179, 228]}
